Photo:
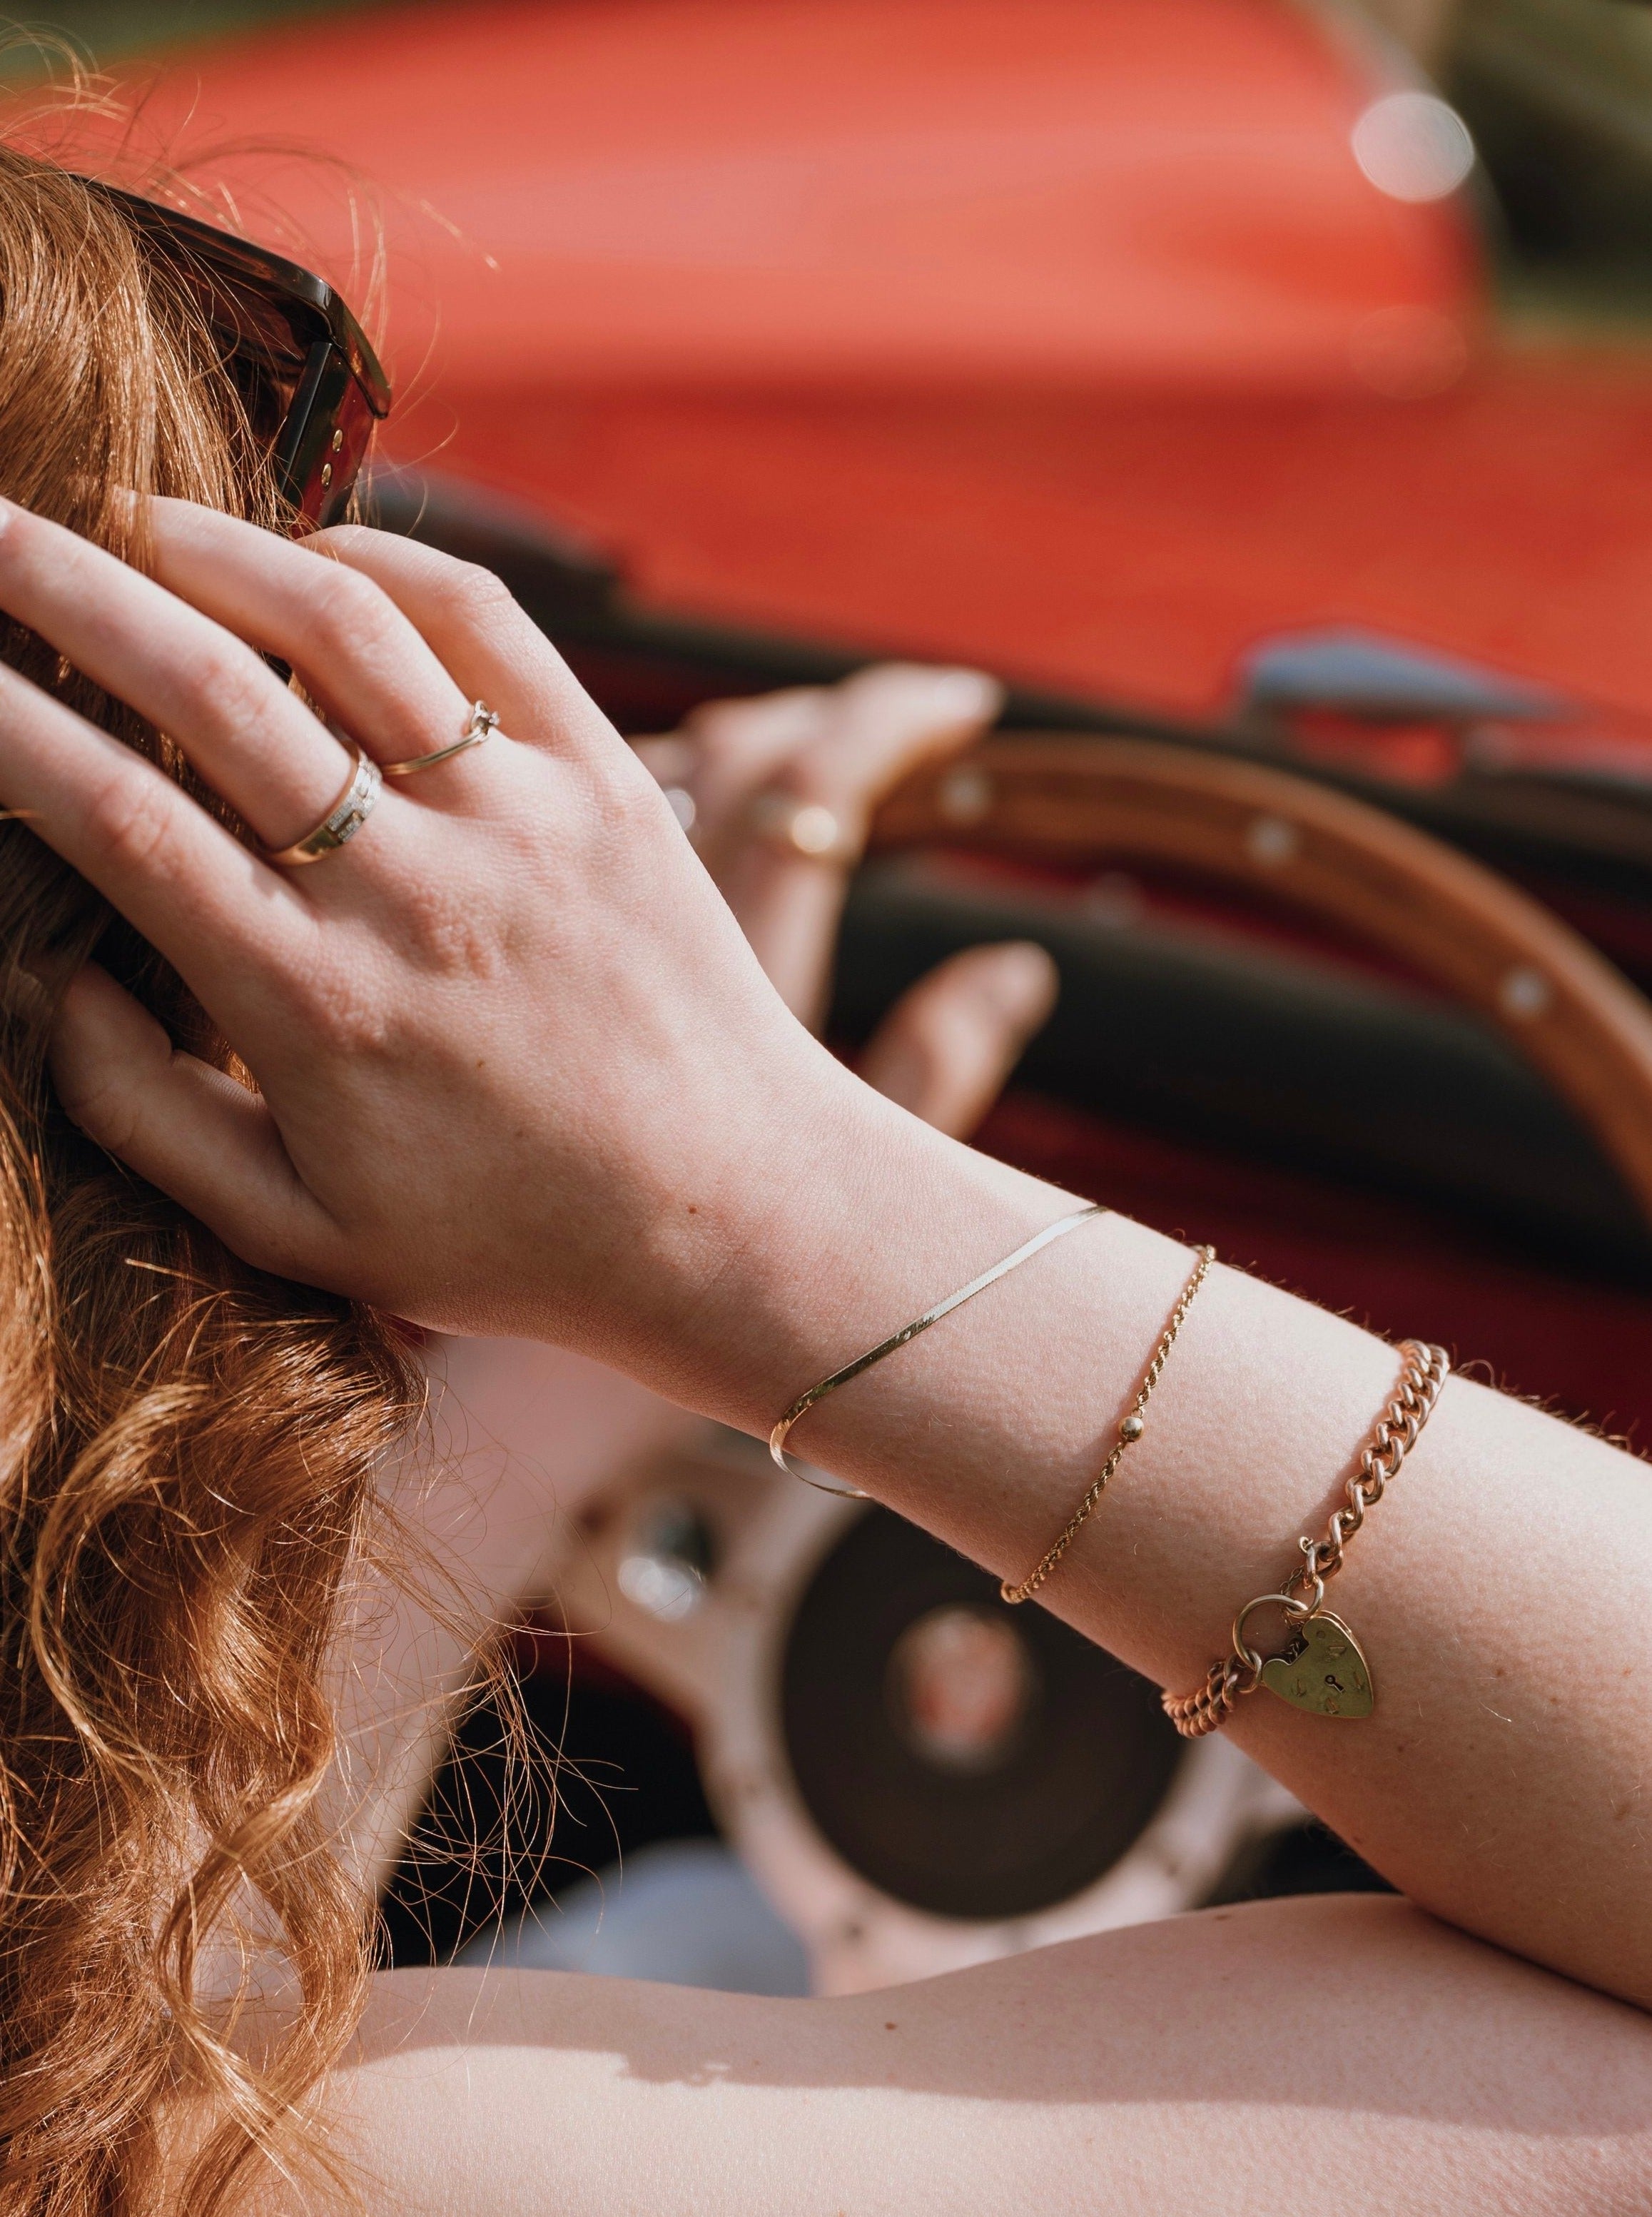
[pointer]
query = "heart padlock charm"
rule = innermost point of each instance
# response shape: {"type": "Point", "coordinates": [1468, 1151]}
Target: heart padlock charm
{"type": "Point", "coordinates": [1323, 1671]}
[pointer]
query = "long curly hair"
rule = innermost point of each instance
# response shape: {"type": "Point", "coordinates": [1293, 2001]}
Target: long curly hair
{"type": "Point", "coordinates": [191, 1449]}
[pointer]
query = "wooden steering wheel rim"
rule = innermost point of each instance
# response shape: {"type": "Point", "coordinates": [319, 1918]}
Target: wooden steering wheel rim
{"type": "Point", "coordinates": [1560, 1005]}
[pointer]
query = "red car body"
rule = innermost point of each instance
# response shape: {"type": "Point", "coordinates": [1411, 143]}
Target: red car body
{"type": "Point", "coordinates": [1066, 334]}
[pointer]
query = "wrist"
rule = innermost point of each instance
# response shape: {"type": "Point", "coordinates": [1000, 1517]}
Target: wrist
{"type": "Point", "coordinates": [856, 1218]}
{"type": "Point", "coordinates": [826, 1218]}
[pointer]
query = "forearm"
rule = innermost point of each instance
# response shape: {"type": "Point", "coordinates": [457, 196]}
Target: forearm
{"type": "Point", "coordinates": [520, 1072]}
{"type": "Point", "coordinates": [1339, 2055]}
{"type": "Point", "coordinates": [1498, 1589]}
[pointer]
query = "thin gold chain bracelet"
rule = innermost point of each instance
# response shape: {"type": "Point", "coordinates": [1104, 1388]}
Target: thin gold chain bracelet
{"type": "Point", "coordinates": [1323, 1669]}
{"type": "Point", "coordinates": [1130, 1428]}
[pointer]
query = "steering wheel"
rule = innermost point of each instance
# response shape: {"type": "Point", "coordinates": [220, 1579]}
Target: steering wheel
{"type": "Point", "coordinates": [1562, 1005]}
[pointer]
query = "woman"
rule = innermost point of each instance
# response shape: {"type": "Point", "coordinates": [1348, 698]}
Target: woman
{"type": "Point", "coordinates": [503, 1064]}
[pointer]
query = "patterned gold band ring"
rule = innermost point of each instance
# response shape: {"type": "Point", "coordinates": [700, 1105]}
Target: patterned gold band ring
{"type": "Point", "coordinates": [341, 823]}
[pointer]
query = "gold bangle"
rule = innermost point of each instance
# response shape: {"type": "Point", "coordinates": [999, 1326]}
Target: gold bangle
{"type": "Point", "coordinates": [1323, 1669]}
{"type": "Point", "coordinates": [804, 1402]}
{"type": "Point", "coordinates": [1130, 1428]}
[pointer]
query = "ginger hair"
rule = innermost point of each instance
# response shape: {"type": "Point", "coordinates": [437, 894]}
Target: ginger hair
{"type": "Point", "coordinates": [191, 1448]}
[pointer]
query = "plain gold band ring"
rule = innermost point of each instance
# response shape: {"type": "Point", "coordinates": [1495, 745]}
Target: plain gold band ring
{"type": "Point", "coordinates": [341, 823]}
{"type": "Point", "coordinates": [477, 726]}
{"type": "Point", "coordinates": [806, 830]}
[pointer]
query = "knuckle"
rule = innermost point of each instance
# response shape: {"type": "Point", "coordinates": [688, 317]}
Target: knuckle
{"type": "Point", "coordinates": [450, 937]}
{"type": "Point", "coordinates": [817, 781]}
{"type": "Point", "coordinates": [734, 733]}
{"type": "Point", "coordinates": [716, 728]}
{"type": "Point", "coordinates": [105, 1096]}
{"type": "Point", "coordinates": [472, 595]}
{"type": "Point", "coordinates": [230, 684]}
{"type": "Point", "coordinates": [344, 607]}
{"type": "Point", "coordinates": [344, 1018]}
{"type": "Point", "coordinates": [109, 1118]}
{"type": "Point", "coordinates": [342, 1027]}
{"type": "Point", "coordinates": [613, 813]}
{"type": "Point", "coordinates": [93, 1102]}
{"type": "Point", "coordinates": [130, 819]}
{"type": "Point", "coordinates": [442, 583]}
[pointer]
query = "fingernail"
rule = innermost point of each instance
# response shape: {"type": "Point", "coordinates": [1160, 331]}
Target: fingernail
{"type": "Point", "coordinates": [969, 692]}
{"type": "Point", "coordinates": [1021, 975]}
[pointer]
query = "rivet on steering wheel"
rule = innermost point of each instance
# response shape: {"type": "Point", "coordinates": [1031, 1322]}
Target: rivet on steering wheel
{"type": "Point", "coordinates": [1272, 840]}
{"type": "Point", "coordinates": [965, 797]}
{"type": "Point", "coordinates": [1523, 991]}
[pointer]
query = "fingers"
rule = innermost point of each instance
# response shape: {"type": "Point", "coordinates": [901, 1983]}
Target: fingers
{"type": "Point", "coordinates": [216, 912]}
{"type": "Point", "coordinates": [838, 747]}
{"type": "Point", "coordinates": [250, 739]}
{"type": "Point", "coordinates": [885, 723]}
{"type": "Point", "coordinates": [732, 749]}
{"type": "Point", "coordinates": [356, 653]}
{"type": "Point", "coordinates": [186, 1128]}
{"type": "Point", "coordinates": [946, 1047]}
{"type": "Point", "coordinates": [493, 650]}
{"type": "Point", "coordinates": [834, 751]}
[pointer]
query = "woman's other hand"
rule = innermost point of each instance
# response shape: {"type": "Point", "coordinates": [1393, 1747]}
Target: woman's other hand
{"type": "Point", "coordinates": [777, 793]}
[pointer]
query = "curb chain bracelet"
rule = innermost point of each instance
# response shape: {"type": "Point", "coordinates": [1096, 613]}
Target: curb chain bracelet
{"type": "Point", "coordinates": [1323, 1669]}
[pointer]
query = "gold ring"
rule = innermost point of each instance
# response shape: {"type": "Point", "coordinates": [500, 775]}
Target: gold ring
{"type": "Point", "coordinates": [478, 725]}
{"type": "Point", "coordinates": [806, 829]}
{"type": "Point", "coordinates": [341, 823]}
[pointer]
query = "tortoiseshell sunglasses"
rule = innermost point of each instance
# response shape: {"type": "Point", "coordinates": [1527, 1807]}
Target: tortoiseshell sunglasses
{"type": "Point", "coordinates": [313, 385]}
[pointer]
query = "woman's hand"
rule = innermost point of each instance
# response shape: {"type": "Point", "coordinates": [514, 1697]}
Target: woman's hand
{"type": "Point", "coordinates": [778, 793]}
{"type": "Point", "coordinates": [519, 1069]}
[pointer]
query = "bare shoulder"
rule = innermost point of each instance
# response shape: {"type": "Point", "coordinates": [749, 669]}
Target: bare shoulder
{"type": "Point", "coordinates": [1350, 2044]}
